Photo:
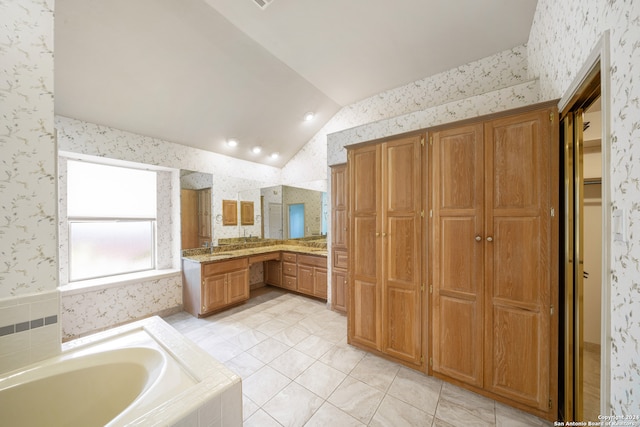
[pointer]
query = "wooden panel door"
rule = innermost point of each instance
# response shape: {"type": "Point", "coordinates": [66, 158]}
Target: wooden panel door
{"type": "Point", "coordinates": [305, 279]}
{"type": "Point", "coordinates": [237, 286]}
{"type": "Point", "coordinates": [518, 246]}
{"type": "Point", "coordinates": [213, 292]}
{"type": "Point", "coordinates": [320, 282]}
{"type": "Point", "coordinates": [339, 289]}
{"type": "Point", "coordinates": [364, 247]}
{"type": "Point", "coordinates": [339, 191]}
{"type": "Point", "coordinates": [401, 241]}
{"type": "Point", "coordinates": [457, 178]}
{"type": "Point", "coordinates": [189, 218]}
{"type": "Point", "coordinates": [204, 214]}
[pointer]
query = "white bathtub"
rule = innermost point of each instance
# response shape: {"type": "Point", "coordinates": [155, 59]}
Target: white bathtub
{"type": "Point", "coordinates": [144, 373]}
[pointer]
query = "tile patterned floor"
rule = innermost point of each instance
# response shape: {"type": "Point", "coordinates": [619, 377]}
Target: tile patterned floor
{"type": "Point", "coordinates": [298, 370]}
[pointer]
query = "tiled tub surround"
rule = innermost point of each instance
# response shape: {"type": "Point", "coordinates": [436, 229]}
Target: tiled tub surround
{"type": "Point", "coordinates": [298, 370]}
{"type": "Point", "coordinates": [168, 381]}
{"type": "Point", "coordinates": [29, 329]}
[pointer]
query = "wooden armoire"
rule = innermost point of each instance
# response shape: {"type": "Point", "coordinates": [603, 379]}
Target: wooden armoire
{"type": "Point", "coordinates": [494, 257]}
{"type": "Point", "coordinates": [453, 254]}
{"type": "Point", "coordinates": [385, 247]}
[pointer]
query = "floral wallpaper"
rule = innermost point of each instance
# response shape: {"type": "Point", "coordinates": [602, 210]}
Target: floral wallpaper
{"type": "Point", "coordinates": [496, 72]}
{"type": "Point", "coordinates": [28, 227]}
{"type": "Point", "coordinates": [562, 37]}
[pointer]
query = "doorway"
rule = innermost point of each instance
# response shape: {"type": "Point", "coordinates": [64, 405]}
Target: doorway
{"type": "Point", "coordinates": [585, 292]}
{"type": "Point", "coordinates": [296, 220]}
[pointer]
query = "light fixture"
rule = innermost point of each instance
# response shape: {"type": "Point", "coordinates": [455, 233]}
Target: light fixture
{"type": "Point", "coordinates": [232, 142]}
{"type": "Point", "coordinates": [309, 116]}
{"type": "Point", "coordinates": [274, 155]}
{"type": "Point", "coordinates": [256, 149]}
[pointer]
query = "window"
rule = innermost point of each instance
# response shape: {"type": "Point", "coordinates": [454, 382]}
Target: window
{"type": "Point", "coordinates": [111, 213]}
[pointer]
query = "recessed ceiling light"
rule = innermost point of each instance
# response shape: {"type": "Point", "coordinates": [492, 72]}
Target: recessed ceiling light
{"type": "Point", "coordinates": [274, 155]}
{"type": "Point", "coordinates": [232, 142]}
{"type": "Point", "coordinates": [309, 116]}
{"type": "Point", "coordinates": [256, 149]}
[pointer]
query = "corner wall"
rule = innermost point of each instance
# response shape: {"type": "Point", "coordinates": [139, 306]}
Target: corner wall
{"type": "Point", "coordinates": [562, 36]}
{"type": "Point", "coordinates": [29, 302]}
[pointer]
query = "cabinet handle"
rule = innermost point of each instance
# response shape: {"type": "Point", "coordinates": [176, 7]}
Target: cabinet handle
{"type": "Point", "coordinates": [384, 234]}
{"type": "Point", "coordinates": [489, 239]}
{"type": "Point", "coordinates": [377, 234]}
{"type": "Point", "coordinates": [478, 238]}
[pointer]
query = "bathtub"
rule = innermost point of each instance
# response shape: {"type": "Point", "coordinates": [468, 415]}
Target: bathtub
{"type": "Point", "coordinates": [144, 373]}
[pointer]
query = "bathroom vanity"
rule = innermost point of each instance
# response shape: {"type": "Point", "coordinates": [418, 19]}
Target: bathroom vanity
{"type": "Point", "coordinates": [218, 278]}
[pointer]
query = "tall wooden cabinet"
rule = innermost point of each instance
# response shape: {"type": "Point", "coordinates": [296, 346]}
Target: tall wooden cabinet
{"type": "Point", "coordinates": [493, 258]}
{"type": "Point", "coordinates": [385, 247]}
{"type": "Point", "coordinates": [339, 264]}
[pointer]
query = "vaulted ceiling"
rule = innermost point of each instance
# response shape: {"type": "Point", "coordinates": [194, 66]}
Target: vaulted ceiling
{"type": "Point", "coordinates": [199, 72]}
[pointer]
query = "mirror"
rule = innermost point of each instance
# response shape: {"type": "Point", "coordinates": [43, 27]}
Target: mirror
{"type": "Point", "coordinates": [195, 208]}
{"type": "Point", "coordinates": [293, 212]}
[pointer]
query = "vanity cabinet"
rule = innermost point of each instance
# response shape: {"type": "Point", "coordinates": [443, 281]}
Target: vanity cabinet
{"type": "Point", "coordinates": [212, 286]}
{"type": "Point", "coordinates": [312, 275]}
{"type": "Point", "coordinates": [273, 273]}
{"type": "Point", "coordinates": [290, 271]}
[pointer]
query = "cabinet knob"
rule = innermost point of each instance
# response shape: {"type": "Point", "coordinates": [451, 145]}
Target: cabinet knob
{"type": "Point", "coordinates": [489, 239]}
{"type": "Point", "coordinates": [377, 234]}
{"type": "Point", "coordinates": [478, 238]}
{"type": "Point", "coordinates": [384, 234]}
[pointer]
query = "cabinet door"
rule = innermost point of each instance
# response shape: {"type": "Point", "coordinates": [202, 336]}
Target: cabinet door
{"type": "Point", "coordinates": [402, 240]}
{"type": "Point", "coordinates": [305, 279]}
{"type": "Point", "coordinates": [204, 213]}
{"type": "Point", "coordinates": [320, 282]}
{"type": "Point", "coordinates": [365, 243]}
{"type": "Point", "coordinates": [457, 241]}
{"type": "Point", "coordinates": [213, 292]}
{"type": "Point", "coordinates": [339, 290]}
{"type": "Point", "coordinates": [273, 273]}
{"type": "Point", "coordinates": [518, 257]}
{"type": "Point", "coordinates": [339, 206]}
{"type": "Point", "coordinates": [237, 286]}
{"type": "Point", "coordinates": [189, 217]}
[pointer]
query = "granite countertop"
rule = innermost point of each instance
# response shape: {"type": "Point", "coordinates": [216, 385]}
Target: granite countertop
{"type": "Point", "coordinates": [221, 253]}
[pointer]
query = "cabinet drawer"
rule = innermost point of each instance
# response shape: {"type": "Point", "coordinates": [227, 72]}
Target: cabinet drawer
{"type": "Point", "coordinates": [289, 269]}
{"type": "Point", "coordinates": [316, 261]}
{"type": "Point", "coordinates": [289, 257]}
{"type": "Point", "coordinates": [224, 266]}
{"type": "Point", "coordinates": [289, 282]}
{"type": "Point", "coordinates": [340, 258]}
{"type": "Point", "coordinates": [271, 256]}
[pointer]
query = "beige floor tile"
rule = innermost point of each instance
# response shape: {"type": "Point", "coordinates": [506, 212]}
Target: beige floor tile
{"type": "Point", "coordinates": [329, 415]}
{"type": "Point", "coordinates": [272, 327]}
{"type": "Point", "coordinates": [375, 371]}
{"type": "Point", "coordinates": [249, 407]}
{"type": "Point", "coordinates": [459, 416]}
{"type": "Point", "coordinates": [356, 399]}
{"type": "Point", "coordinates": [506, 416]}
{"type": "Point", "coordinates": [268, 350]}
{"type": "Point", "coordinates": [222, 351]}
{"type": "Point", "coordinates": [248, 339]}
{"type": "Point", "coordinates": [479, 406]}
{"type": "Point", "coordinates": [393, 412]}
{"type": "Point", "coordinates": [292, 363]}
{"type": "Point", "coordinates": [261, 419]}
{"type": "Point", "coordinates": [342, 357]}
{"type": "Point", "coordinates": [314, 346]}
{"type": "Point", "coordinates": [293, 405]}
{"type": "Point", "coordinates": [291, 335]}
{"type": "Point", "coordinates": [264, 384]}
{"type": "Point", "coordinates": [244, 365]}
{"type": "Point", "coordinates": [416, 389]}
{"type": "Point", "coordinates": [321, 379]}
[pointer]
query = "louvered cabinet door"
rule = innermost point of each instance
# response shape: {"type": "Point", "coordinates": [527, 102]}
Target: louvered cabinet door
{"type": "Point", "coordinates": [457, 243]}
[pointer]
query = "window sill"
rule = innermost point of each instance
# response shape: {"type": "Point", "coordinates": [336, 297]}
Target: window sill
{"type": "Point", "coordinates": [115, 281]}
